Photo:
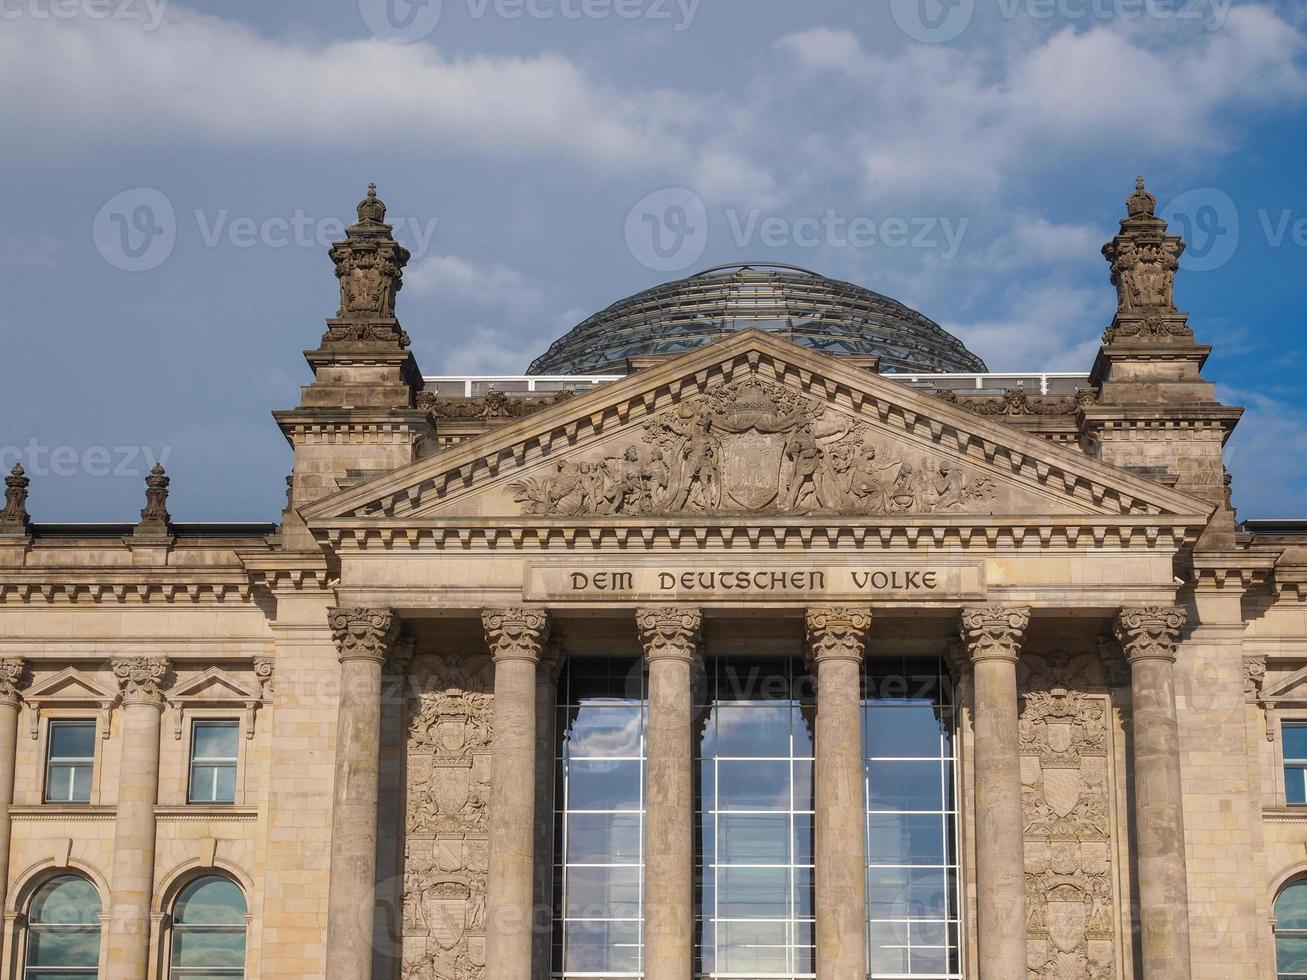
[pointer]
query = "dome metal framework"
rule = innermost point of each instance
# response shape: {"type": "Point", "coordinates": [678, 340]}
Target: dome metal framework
{"type": "Point", "coordinates": [828, 315]}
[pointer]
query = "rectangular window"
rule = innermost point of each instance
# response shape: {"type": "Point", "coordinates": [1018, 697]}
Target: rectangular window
{"type": "Point", "coordinates": [214, 749]}
{"type": "Point", "coordinates": [912, 867]}
{"type": "Point", "coordinates": [70, 762]}
{"type": "Point", "coordinates": [599, 819]}
{"type": "Point", "coordinates": [754, 839]}
{"type": "Point", "coordinates": [1295, 762]}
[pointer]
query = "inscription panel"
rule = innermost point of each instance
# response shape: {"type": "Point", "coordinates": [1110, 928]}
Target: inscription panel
{"type": "Point", "coordinates": [758, 581]}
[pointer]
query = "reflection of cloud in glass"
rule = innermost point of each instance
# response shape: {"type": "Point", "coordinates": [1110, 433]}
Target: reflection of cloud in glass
{"type": "Point", "coordinates": [604, 731]}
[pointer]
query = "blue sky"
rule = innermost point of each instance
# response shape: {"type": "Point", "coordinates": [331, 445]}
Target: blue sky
{"type": "Point", "coordinates": [968, 157]}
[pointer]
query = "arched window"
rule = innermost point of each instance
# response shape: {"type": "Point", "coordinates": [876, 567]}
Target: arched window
{"type": "Point", "coordinates": [1291, 932]}
{"type": "Point", "coordinates": [208, 930]}
{"type": "Point", "coordinates": [63, 930]}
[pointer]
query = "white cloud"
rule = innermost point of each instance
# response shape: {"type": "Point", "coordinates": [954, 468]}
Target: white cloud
{"type": "Point", "coordinates": [1267, 455]}
{"type": "Point", "coordinates": [1049, 328]}
{"type": "Point", "coordinates": [212, 80]}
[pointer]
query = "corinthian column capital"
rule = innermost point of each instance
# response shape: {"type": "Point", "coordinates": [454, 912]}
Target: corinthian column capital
{"type": "Point", "coordinates": [515, 632]}
{"type": "Point", "coordinates": [1149, 632]}
{"type": "Point", "coordinates": [11, 672]}
{"type": "Point", "coordinates": [837, 632]}
{"type": "Point", "coordinates": [139, 678]}
{"type": "Point", "coordinates": [994, 632]}
{"type": "Point", "coordinates": [669, 632]}
{"type": "Point", "coordinates": [363, 634]}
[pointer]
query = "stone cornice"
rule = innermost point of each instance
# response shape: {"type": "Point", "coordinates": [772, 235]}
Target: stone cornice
{"type": "Point", "coordinates": [363, 634]}
{"type": "Point", "coordinates": [837, 633]}
{"type": "Point", "coordinates": [1237, 570]}
{"type": "Point", "coordinates": [515, 632]}
{"type": "Point", "coordinates": [994, 632]}
{"type": "Point", "coordinates": [1074, 532]}
{"type": "Point", "coordinates": [669, 632]}
{"type": "Point", "coordinates": [285, 571]}
{"type": "Point", "coordinates": [1150, 632]}
{"type": "Point", "coordinates": [75, 586]}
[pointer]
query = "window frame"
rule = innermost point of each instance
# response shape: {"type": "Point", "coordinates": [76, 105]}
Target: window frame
{"type": "Point", "coordinates": [26, 970]}
{"type": "Point", "coordinates": [73, 763]}
{"type": "Point", "coordinates": [1299, 765]}
{"type": "Point", "coordinates": [175, 972]}
{"type": "Point", "coordinates": [216, 763]}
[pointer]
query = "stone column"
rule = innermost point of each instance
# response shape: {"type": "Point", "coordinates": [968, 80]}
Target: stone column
{"type": "Point", "coordinates": [837, 639]}
{"type": "Point", "coordinates": [363, 638]}
{"type": "Point", "coordinates": [670, 635]}
{"type": "Point", "coordinates": [993, 637]}
{"type": "Point", "coordinates": [11, 671]}
{"type": "Point", "coordinates": [132, 877]}
{"type": "Point", "coordinates": [1148, 636]}
{"type": "Point", "coordinates": [516, 637]}
{"type": "Point", "coordinates": [551, 662]}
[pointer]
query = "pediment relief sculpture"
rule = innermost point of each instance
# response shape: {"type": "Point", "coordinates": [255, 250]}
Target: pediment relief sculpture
{"type": "Point", "coordinates": [755, 446]}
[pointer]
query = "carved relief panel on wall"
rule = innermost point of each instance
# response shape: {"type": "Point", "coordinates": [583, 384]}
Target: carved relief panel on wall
{"type": "Point", "coordinates": [448, 792]}
{"type": "Point", "coordinates": [1066, 776]}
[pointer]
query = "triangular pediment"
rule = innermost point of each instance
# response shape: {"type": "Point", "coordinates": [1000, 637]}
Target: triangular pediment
{"type": "Point", "coordinates": [214, 684]}
{"type": "Point", "coordinates": [754, 425]}
{"type": "Point", "coordinates": [71, 686]}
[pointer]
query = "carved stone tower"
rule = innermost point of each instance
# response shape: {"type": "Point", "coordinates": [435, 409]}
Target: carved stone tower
{"type": "Point", "coordinates": [358, 418]}
{"type": "Point", "coordinates": [1156, 415]}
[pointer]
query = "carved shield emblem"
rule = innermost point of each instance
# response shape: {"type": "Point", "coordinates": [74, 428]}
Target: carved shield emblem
{"type": "Point", "coordinates": [751, 468]}
{"type": "Point", "coordinates": [447, 913]}
{"type": "Point", "coordinates": [450, 787]}
{"type": "Point", "coordinates": [451, 730]}
{"type": "Point", "coordinates": [1062, 790]}
{"type": "Point", "coordinates": [1066, 924]}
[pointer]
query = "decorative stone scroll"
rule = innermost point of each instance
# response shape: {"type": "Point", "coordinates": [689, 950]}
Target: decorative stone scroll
{"type": "Point", "coordinates": [363, 634]}
{"type": "Point", "coordinates": [754, 446]}
{"type": "Point", "coordinates": [837, 633]}
{"type": "Point", "coordinates": [1149, 632]}
{"type": "Point", "coordinates": [994, 631]}
{"type": "Point", "coordinates": [11, 674]}
{"type": "Point", "coordinates": [516, 632]}
{"type": "Point", "coordinates": [1254, 679]}
{"type": "Point", "coordinates": [139, 678]}
{"type": "Point", "coordinates": [669, 631]}
{"type": "Point", "coordinates": [446, 854]}
{"type": "Point", "coordinates": [1066, 778]}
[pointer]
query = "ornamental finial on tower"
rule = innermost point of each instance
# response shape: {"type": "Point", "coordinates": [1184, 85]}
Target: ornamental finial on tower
{"type": "Point", "coordinates": [1141, 203]}
{"type": "Point", "coordinates": [15, 519]}
{"type": "Point", "coordinates": [155, 516]}
{"type": "Point", "coordinates": [372, 209]}
{"type": "Point", "coordinates": [1144, 260]}
{"type": "Point", "coordinates": [370, 267]}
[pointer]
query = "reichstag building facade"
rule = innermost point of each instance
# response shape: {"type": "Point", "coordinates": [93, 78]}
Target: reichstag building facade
{"type": "Point", "coordinates": [760, 630]}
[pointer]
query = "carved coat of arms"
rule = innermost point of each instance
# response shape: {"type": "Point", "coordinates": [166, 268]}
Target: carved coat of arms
{"type": "Point", "coordinates": [753, 446]}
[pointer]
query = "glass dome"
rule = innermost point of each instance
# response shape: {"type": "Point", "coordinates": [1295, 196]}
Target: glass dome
{"type": "Point", "coordinates": [828, 315]}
